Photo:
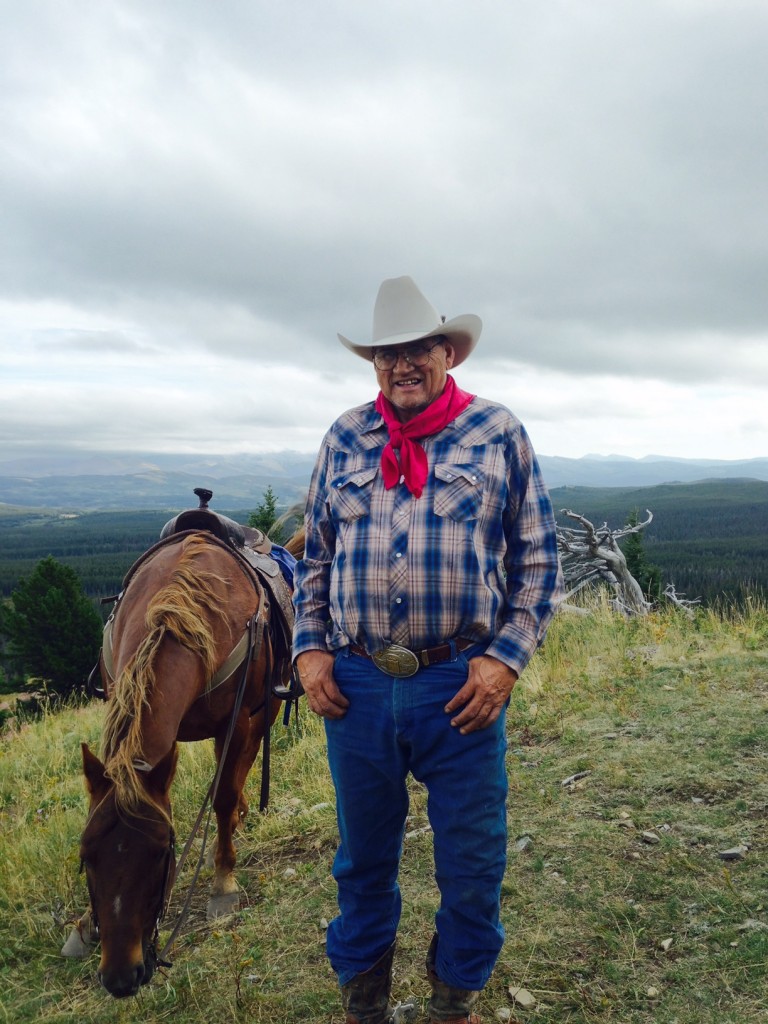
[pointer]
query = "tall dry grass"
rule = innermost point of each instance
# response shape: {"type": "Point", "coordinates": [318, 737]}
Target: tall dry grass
{"type": "Point", "coordinates": [667, 716]}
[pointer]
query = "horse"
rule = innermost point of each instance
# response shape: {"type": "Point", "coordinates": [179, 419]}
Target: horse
{"type": "Point", "coordinates": [191, 656]}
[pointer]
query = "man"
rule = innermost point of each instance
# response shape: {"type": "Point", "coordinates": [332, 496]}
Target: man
{"type": "Point", "coordinates": [429, 578]}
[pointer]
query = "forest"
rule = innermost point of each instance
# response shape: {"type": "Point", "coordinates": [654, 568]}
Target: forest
{"type": "Point", "coordinates": [708, 538]}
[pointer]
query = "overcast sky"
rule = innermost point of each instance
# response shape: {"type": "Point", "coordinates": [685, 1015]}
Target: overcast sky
{"type": "Point", "coordinates": [196, 196]}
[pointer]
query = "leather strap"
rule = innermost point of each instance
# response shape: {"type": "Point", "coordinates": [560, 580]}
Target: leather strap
{"type": "Point", "coordinates": [429, 655]}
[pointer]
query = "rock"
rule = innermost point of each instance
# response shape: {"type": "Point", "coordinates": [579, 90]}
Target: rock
{"type": "Point", "coordinates": [626, 823]}
{"type": "Point", "coordinates": [75, 946]}
{"type": "Point", "coordinates": [523, 843]}
{"type": "Point", "coordinates": [665, 944]}
{"type": "Point", "coordinates": [81, 939]}
{"type": "Point", "coordinates": [404, 1013]}
{"type": "Point", "coordinates": [522, 997]}
{"type": "Point", "coordinates": [418, 831]}
{"type": "Point", "coordinates": [652, 993]}
{"type": "Point", "coordinates": [503, 1013]}
{"type": "Point", "coordinates": [289, 873]}
{"type": "Point", "coordinates": [735, 853]}
{"type": "Point", "coordinates": [752, 925]}
{"type": "Point", "coordinates": [324, 923]}
{"type": "Point", "coordinates": [650, 837]}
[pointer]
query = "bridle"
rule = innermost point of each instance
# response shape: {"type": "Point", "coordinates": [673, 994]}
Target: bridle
{"type": "Point", "coordinates": [151, 954]}
{"type": "Point", "coordinates": [256, 629]}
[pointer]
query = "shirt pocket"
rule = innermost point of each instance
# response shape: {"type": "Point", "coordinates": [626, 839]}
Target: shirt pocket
{"type": "Point", "coordinates": [350, 496]}
{"type": "Point", "coordinates": [459, 490]}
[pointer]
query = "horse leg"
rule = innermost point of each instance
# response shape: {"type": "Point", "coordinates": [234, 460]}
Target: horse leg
{"type": "Point", "coordinates": [230, 806]}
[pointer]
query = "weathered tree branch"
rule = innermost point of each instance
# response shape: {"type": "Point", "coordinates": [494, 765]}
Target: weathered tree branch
{"type": "Point", "coordinates": [593, 552]}
{"type": "Point", "coordinates": [680, 600]}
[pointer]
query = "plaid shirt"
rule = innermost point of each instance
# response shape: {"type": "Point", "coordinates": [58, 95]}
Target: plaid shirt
{"type": "Point", "coordinates": [474, 557]}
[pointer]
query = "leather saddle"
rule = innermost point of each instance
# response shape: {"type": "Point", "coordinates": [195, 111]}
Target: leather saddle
{"type": "Point", "coordinates": [252, 548]}
{"type": "Point", "coordinates": [226, 529]}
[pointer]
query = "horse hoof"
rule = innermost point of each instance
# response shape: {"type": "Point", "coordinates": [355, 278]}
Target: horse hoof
{"type": "Point", "coordinates": [76, 946]}
{"type": "Point", "coordinates": [222, 906]}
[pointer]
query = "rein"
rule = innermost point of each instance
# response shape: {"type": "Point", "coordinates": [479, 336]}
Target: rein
{"type": "Point", "coordinates": [244, 654]}
{"type": "Point", "coordinates": [256, 628]}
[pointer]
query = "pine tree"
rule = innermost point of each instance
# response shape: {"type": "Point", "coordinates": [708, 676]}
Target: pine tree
{"type": "Point", "coordinates": [54, 631]}
{"type": "Point", "coordinates": [265, 516]}
{"type": "Point", "coordinates": [646, 574]}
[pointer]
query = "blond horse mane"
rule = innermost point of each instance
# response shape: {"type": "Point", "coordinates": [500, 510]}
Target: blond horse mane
{"type": "Point", "coordinates": [183, 609]}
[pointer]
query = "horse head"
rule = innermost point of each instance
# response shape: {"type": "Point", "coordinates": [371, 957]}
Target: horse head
{"type": "Point", "coordinates": [129, 861]}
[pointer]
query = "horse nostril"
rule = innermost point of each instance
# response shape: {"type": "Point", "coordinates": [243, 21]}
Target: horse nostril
{"type": "Point", "coordinates": [122, 984]}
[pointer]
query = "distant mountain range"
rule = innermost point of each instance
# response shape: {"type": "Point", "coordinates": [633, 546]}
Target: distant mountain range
{"type": "Point", "coordinates": [97, 480]}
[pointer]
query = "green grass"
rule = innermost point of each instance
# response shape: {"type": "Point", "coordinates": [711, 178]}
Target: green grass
{"type": "Point", "coordinates": [669, 718]}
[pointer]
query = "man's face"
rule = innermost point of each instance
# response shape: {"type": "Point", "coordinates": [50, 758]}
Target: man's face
{"type": "Point", "coordinates": [411, 388]}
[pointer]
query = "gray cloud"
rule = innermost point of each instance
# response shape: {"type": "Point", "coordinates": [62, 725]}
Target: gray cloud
{"type": "Point", "coordinates": [232, 181]}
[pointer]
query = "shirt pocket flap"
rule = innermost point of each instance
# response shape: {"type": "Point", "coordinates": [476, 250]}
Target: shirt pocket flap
{"type": "Point", "coordinates": [459, 490]}
{"type": "Point", "coordinates": [350, 496]}
{"type": "Point", "coordinates": [451, 472]}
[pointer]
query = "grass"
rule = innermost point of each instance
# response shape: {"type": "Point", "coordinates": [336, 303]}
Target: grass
{"type": "Point", "coordinates": [668, 718]}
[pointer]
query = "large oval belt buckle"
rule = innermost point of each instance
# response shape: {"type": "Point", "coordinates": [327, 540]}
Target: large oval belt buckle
{"type": "Point", "coordinates": [396, 661]}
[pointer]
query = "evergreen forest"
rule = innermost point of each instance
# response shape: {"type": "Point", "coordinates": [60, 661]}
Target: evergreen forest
{"type": "Point", "coordinates": [707, 538]}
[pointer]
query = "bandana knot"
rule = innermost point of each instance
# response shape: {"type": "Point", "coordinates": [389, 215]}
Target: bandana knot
{"type": "Point", "coordinates": [412, 467]}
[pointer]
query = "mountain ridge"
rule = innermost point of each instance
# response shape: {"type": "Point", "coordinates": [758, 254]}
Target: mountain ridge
{"type": "Point", "coordinates": [96, 480]}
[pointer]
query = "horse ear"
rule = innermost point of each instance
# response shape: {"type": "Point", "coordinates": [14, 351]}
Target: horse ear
{"type": "Point", "coordinates": [161, 776]}
{"type": "Point", "coordinates": [96, 780]}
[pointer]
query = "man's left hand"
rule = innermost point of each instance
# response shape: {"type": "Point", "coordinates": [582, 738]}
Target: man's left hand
{"type": "Point", "coordinates": [484, 694]}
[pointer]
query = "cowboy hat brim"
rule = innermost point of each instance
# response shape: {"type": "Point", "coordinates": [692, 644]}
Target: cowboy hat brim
{"type": "Point", "coordinates": [462, 332]}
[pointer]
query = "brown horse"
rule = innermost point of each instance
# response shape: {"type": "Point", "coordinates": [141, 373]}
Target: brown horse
{"type": "Point", "coordinates": [173, 637]}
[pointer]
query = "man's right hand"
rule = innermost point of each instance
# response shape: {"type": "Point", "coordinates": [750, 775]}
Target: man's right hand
{"type": "Point", "coordinates": [315, 670]}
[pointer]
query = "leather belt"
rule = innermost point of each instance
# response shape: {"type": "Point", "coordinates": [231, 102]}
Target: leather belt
{"type": "Point", "coordinates": [396, 660]}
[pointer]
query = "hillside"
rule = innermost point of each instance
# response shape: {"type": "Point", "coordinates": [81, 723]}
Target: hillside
{"type": "Point", "coordinates": [102, 480]}
{"type": "Point", "coordinates": [618, 904]}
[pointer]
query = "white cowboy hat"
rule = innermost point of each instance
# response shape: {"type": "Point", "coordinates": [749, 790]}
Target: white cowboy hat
{"type": "Point", "coordinates": [403, 314]}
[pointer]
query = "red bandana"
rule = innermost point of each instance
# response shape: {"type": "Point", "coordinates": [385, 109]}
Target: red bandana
{"type": "Point", "coordinates": [412, 465]}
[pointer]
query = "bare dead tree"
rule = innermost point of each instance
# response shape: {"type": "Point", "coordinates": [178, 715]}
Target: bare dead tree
{"type": "Point", "coordinates": [680, 600]}
{"type": "Point", "coordinates": [590, 554]}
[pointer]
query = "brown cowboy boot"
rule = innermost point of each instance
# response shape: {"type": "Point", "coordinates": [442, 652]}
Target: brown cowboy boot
{"type": "Point", "coordinates": [366, 998]}
{"type": "Point", "coordinates": [448, 1005]}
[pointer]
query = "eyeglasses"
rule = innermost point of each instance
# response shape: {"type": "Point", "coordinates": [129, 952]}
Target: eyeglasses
{"type": "Point", "coordinates": [416, 355]}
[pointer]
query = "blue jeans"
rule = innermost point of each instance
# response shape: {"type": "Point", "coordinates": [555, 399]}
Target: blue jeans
{"type": "Point", "coordinates": [393, 727]}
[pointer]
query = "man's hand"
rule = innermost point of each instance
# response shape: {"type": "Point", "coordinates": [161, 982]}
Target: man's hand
{"type": "Point", "coordinates": [315, 670]}
{"type": "Point", "coordinates": [484, 694]}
